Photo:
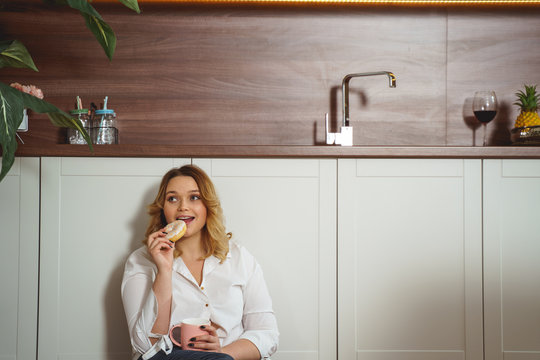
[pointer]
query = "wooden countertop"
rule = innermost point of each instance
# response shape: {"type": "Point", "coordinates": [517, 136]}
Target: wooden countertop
{"type": "Point", "coordinates": [263, 151]}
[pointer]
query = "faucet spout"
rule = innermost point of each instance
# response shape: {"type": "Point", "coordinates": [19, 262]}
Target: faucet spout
{"type": "Point", "coordinates": [345, 89]}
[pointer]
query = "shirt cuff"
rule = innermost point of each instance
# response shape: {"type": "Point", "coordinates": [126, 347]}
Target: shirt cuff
{"type": "Point", "coordinates": [266, 341]}
{"type": "Point", "coordinates": [164, 343]}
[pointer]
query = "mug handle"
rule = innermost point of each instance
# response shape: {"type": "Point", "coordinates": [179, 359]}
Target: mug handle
{"type": "Point", "coordinates": [174, 335]}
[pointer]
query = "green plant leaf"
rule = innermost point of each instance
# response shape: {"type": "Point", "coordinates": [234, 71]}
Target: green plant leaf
{"type": "Point", "coordinates": [101, 30]}
{"type": "Point", "coordinates": [14, 54]}
{"type": "Point", "coordinates": [132, 4]}
{"type": "Point", "coordinates": [84, 7]}
{"type": "Point", "coordinates": [12, 103]}
{"type": "Point", "coordinates": [8, 156]}
{"type": "Point", "coordinates": [103, 33]}
{"type": "Point", "coordinates": [11, 114]}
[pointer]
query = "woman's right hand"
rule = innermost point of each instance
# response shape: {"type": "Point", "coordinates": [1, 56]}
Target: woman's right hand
{"type": "Point", "coordinates": [161, 250]}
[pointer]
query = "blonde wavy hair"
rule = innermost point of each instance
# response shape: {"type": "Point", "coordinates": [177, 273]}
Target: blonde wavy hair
{"type": "Point", "coordinates": [214, 236]}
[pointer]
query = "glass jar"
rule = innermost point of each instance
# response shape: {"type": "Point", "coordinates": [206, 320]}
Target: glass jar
{"type": "Point", "coordinates": [104, 129]}
{"type": "Point", "coordinates": [73, 135]}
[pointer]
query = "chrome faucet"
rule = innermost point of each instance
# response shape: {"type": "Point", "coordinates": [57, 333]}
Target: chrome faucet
{"type": "Point", "coordinates": [345, 137]}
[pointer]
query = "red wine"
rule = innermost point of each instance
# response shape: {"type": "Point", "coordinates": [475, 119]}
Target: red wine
{"type": "Point", "coordinates": [485, 116]}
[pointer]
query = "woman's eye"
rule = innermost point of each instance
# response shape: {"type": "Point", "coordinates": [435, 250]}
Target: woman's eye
{"type": "Point", "coordinates": [172, 199]}
{"type": "Point", "coordinates": [195, 197]}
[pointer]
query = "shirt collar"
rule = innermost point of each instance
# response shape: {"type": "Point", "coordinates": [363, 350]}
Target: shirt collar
{"type": "Point", "coordinates": [210, 264]}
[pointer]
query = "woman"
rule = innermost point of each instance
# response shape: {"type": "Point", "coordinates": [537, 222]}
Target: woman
{"type": "Point", "coordinates": [202, 275]}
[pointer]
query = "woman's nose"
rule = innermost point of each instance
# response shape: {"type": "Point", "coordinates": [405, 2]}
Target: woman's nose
{"type": "Point", "coordinates": [182, 204]}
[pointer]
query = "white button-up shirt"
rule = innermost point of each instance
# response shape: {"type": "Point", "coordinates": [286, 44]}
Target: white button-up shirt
{"type": "Point", "coordinates": [233, 295]}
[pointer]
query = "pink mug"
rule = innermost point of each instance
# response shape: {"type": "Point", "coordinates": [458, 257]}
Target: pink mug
{"type": "Point", "coordinates": [189, 328]}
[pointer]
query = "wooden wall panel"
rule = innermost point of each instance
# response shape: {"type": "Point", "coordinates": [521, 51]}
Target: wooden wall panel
{"type": "Point", "coordinates": [253, 75]}
{"type": "Point", "coordinates": [489, 50]}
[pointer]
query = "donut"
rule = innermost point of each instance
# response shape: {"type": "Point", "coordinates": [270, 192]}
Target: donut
{"type": "Point", "coordinates": [175, 230]}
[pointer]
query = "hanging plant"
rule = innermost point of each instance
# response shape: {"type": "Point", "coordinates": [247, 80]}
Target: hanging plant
{"type": "Point", "coordinates": [13, 101]}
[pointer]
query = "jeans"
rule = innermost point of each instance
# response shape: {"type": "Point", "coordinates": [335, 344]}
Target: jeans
{"type": "Point", "coordinates": [178, 354]}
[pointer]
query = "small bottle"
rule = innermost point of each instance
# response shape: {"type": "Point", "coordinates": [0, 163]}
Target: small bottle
{"type": "Point", "coordinates": [104, 129]}
{"type": "Point", "coordinates": [73, 135]}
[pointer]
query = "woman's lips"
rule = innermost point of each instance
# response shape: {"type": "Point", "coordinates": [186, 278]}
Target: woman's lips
{"type": "Point", "coordinates": [186, 219]}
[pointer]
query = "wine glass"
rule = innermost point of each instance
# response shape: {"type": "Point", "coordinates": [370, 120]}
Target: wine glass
{"type": "Point", "coordinates": [485, 107]}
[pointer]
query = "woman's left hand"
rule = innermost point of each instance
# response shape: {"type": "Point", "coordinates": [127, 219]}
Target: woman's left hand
{"type": "Point", "coordinates": [209, 342]}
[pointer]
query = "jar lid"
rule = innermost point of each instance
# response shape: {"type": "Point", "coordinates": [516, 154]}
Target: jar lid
{"type": "Point", "coordinates": [79, 111]}
{"type": "Point", "coordinates": [104, 111]}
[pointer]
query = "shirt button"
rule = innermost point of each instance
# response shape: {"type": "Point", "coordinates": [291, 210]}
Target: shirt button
{"type": "Point", "coordinates": [202, 287]}
{"type": "Point", "coordinates": [206, 305]}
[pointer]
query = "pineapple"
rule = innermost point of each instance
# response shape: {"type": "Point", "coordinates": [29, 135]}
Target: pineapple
{"type": "Point", "coordinates": [528, 103]}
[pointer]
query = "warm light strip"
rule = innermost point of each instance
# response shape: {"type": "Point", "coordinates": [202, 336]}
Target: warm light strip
{"type": "Point", "coordinates": [367, 2]}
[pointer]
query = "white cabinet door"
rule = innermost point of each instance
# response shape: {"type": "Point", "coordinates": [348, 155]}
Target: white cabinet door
{"type": "Point", "coordinates": [93, 214]}
{"type": "Point", "coordinates": [512, 259]}
{"type": "Point", "coordinates": [283, 211]}
{"type": "Point", "coordinates": [409, 259]}
{"type": "Point", "coordinates": [19, 229]}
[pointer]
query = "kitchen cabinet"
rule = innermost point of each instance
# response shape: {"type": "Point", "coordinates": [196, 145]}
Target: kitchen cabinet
{"type": "Point", "coordinates": [19, 224]}
{"type": "Point", "coordinates": [409, 259]}
{"type": "Point", "coordinates": [511, 259]}
{"type": "Point", "coordinates": [368, 259]}
{"type": "Point", "coordinates": [283, 211]}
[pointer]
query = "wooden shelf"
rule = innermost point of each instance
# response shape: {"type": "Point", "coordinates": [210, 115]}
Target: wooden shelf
{"type": "Point", "coordinates": [263, 151]}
